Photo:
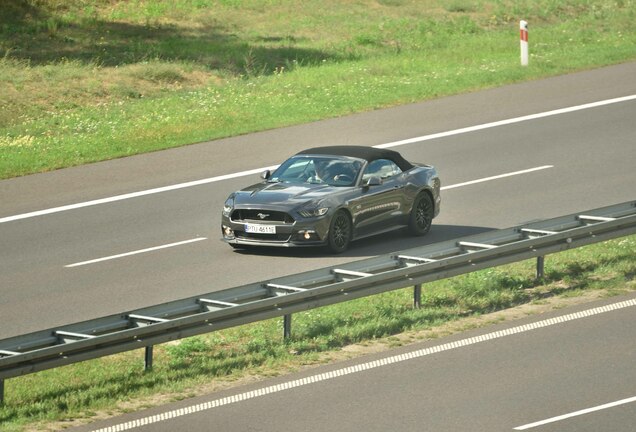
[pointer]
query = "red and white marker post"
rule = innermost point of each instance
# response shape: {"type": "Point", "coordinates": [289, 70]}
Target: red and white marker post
{"type": "Point", "coordinates": [523, 33]}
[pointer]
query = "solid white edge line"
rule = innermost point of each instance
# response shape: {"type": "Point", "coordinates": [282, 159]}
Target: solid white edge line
{"type": "Point", "coordinates": [577, 413]}
{"type": "Point", "coordinates": [497, 177]}
{"type": "Point", "coordinates": [257, 170]}
{"type": "Point", "coordinates": [508, 121]}
{"type": "Point", "coordinates": [140, 251]}
{"type": "Point", "coordinates": [362, 367]}
{"type": "Point", "coordinates": [133, 195]}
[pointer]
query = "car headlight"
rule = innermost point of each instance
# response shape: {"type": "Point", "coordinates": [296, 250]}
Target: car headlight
{"type": "Point", "coordinates": [313, 212]}
{"type": "Point", "coordinates": [228, 206]}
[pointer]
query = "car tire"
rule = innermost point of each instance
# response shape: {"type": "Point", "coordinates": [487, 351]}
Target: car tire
{"type": "Point", "coordinates": [421, 216]}
{"type": "Point", "coordinates": [339, 235]}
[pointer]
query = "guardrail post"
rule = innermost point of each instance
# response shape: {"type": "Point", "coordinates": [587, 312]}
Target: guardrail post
{"type": "Point", "coordinates": [1, 392]}
{"type": "Point", "coordinates": [148, 358]}
{"type": "Point", "coordinates": [540, 272]}
{"type": "Point", "coordinates": [417, 296]}
{"type": "Point", "coordinates": [287, 319]}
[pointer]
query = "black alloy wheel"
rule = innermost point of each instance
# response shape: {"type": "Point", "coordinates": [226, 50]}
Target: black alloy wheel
{"type": "Point", "coordinates": [339, 232]}
{"type": "Point", "coordinates": [421, 215]}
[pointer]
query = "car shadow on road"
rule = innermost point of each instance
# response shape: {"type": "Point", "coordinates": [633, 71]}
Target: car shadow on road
{"type": "Point", "coordinates": [373, 246]}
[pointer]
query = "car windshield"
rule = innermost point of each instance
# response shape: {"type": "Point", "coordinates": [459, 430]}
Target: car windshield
{"type": "Point", "coordinates": [331, 170]}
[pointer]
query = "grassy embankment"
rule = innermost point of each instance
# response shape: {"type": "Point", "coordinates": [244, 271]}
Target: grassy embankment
{"type": "Point", "coordinates": [83, 81]}
{"type": "Point", "coordinates": [116, 384]}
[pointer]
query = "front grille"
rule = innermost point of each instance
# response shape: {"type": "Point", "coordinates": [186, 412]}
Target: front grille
{"type": "Point", "coordinates": [262, 237]}
{"type": "Point", "coordinates": [242, 215]}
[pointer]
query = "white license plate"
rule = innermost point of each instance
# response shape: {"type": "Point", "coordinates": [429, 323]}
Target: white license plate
{"type": "Point", "coordinates": [260, 229]}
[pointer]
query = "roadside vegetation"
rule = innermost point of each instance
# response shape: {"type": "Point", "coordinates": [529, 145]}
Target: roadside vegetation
{"type": "Point", "coordinates": [83, 81]}
{"type": "Point", "coordinates": [71, 395]}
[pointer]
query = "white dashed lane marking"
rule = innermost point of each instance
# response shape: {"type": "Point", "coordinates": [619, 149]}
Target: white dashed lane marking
{"type": "Point", "coordinates": [137, 252]}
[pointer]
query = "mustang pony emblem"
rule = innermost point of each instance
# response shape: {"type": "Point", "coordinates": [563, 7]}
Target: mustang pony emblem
{"type": "Point", "coordinates": [262, 216]}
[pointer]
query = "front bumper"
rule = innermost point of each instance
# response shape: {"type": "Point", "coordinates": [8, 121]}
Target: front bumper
{"type": "Point", "coordinates": [300, 233]}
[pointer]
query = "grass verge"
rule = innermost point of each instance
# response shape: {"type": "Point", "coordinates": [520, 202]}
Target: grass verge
{"type": "Point", "coordinates": [87, 81]}
{"type": "Point", "coordinates": [112, 385]}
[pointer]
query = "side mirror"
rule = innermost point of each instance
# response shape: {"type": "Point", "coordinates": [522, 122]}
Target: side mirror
{"type": "Point", "coordinates": [265, 175]}
{"type": "Point", "coordinates": [373, 181]}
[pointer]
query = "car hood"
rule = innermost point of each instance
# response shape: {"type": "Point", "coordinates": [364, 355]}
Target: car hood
{"type": "Point", "coordinates": [287, 195]}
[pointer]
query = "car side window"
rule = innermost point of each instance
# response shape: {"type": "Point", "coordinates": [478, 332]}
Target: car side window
{"type": "Point", "coordinates": [382, 168]}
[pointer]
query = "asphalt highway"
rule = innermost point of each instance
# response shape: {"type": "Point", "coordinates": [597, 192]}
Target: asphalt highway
{"type": "Point", "coordinates": [566, 371]}
{"type": "Point", "coordinates": [105, 238]}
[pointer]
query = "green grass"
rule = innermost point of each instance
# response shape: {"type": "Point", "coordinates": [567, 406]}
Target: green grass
{"type": "Point", "coordinates": [83, 81]}
{"type": "Point", "coordinates": [200, 364]}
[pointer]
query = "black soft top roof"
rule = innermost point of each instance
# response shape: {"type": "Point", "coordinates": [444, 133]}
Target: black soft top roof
{"type": "Point", "coordinates": [367, 153]}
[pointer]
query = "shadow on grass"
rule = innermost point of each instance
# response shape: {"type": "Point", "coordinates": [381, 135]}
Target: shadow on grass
{"type": "Point", "coordinates": [30, 32]}
{"type": "Point", "coordinates": [576, 275]}
{"type": "Point", "coordinates": [18, 12]}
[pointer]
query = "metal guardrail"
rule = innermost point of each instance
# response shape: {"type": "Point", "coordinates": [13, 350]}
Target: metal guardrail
{"type": "Point", "coordinates": [218, 310]}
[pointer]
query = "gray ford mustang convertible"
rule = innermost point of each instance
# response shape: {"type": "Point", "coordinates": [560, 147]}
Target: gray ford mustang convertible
{"type": "Point", "coordinates": [330, 196]}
